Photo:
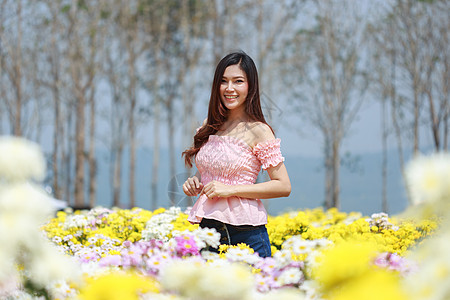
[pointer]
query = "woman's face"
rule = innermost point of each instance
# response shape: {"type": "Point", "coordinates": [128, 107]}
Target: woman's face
{"type": "Point", "coordinates": [234, 87]}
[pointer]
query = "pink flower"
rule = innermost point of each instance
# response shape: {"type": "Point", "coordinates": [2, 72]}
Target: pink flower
{"type": "Point", "coordinates": [156, 261]}
{"type": "Point", "coordinates": [264, 283]}
{"type": "Point", "coordinates": [395, 262]}
{"type": "Point", "coordinates": [126, 244]}
{"type": "Point", "coordinates": [88, 256]}
{"type": "Point", "coordinates": [131, 259]}
{"type": "Point", "coordinates": [110, 260]}
{"type": "Point", "coordinates": [267, 265]}
{"type": "Point", "coordinates": [186, 245]}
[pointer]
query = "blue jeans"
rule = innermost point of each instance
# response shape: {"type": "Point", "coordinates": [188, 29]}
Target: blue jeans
{"type": "Point", "coordinates": [255, 237]}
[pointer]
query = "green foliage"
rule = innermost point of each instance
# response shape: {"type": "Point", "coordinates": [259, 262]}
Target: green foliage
{"type": "Point", "coordinates": [36, 291]}
{"type": "Point", "coordinates": [65, 8]}
{"type": "Point", "coordinates": [105, 14]}
{"type": "Point", "coordinates": [82, 5]}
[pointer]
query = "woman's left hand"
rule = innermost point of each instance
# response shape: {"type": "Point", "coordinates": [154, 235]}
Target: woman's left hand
{"type": "Point", "coordinates": [217, 189]}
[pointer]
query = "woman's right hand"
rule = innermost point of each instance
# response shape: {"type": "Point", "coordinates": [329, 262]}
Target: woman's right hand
{"type": "Point", "coordinates": [192, 186]}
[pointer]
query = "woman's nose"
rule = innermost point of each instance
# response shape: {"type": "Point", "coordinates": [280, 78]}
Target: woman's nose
{"type": "Point", "coordinates": [229, 86]}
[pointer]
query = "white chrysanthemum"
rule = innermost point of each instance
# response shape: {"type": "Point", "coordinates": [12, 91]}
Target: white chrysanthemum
{"type": "Point", "coordinates": [281, 294]}
{"type": "Point", "coordinates": [23, 208]}
{"type": "Point", "coordinates": [47, 265]}
{"type": "Point", "coordinates": [199, 281]}
{"type": "Point", "coordinates": [75, 221]}
{"type": "Point", "coordinates": [21, 295]}
{"type": "Point", "coordinates": [312, 261]}
{"type": "Point", "coordinates": [428, 178]}
{"type": "Point", "coordinates": [179, 276]}
{"type": "Point", "coordinates": [23, 199]}
{"type": "Point", "coordinates": [291, 241]}
{"type": "Point", "coordinates": [9, 284]}
{"type": "Point", "coordinates": [381, 221]}
{"type": "Point", "coordinates": [432, 282]}
{"type": "Point", "coordinates": [62, 290]}
{"type": "Point", "coordinates": [298, 245]}
{"type": "Point", "coordinates": [209, 236]}
{"type": "Point", "coordinates": [282, 258]}
{"type": "Point", "coordinates": [242, 255]}
{"type": "Point", "coordinates": [159, 226]}
{"type": "Point", "coordinates": [321, 243]}
{"type": "Point", "coordinates": [210, 256]}
{"type": "Point", "coordinates": [311, 289]}
{"type": "Point", "coordinates": [174, 210]}
{"type": "Point", "coordinates": [203, 237]}
{"type": "Point", "coordinates": [93, 269]}
{"type": "Point", "coordinates": [218, 262]}
{"type": "Point", "coordinates": [290, 276]}
{"type": "Point", "coordinates": [20, 160]}
{"type": "Point", "coordinates": [7, 268]}
{"type": "Point", "coordinates": [153, 296]}
{"type": "Point", "coordinates": [233, 281]}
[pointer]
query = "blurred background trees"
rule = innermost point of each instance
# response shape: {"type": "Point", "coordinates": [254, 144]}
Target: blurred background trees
{"type": "Point", "coordinates": [86, 74]}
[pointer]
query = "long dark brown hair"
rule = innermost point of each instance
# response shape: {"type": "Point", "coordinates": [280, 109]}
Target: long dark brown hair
{"type": "Point", "coordinates": [217, 112]}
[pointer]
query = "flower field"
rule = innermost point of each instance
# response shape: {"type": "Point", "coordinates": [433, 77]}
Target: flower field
{"type": "Point", "coordinates": [139, 254]}
{"type": "Point", "coordinates": [164, 247]}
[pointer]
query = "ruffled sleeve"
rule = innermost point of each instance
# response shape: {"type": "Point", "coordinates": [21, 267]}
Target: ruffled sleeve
{"type": "Point", "coordinates": [269, 153]}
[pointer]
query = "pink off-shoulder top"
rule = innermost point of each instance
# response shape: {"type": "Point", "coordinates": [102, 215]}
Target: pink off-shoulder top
{"type": "Point", "coordinates": [232, 161]}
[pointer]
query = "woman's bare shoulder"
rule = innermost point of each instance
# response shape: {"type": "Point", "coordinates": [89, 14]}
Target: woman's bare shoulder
{"type": "Point", "coordinates": [260, 132]}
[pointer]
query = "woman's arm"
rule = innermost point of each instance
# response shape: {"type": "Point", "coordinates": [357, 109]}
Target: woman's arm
{"type": "Point", "coordinates": [278, 186]}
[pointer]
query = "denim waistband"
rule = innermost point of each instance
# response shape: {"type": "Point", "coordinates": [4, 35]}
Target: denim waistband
{"type": "Point", "coordinates": [218, 224]}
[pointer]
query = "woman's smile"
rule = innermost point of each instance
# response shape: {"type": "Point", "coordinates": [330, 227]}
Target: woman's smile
{"type": "Point", "coordinates": [231, 97]}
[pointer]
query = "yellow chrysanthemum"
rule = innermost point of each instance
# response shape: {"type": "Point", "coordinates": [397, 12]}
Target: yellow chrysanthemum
{"type": "Point", "coordinates": [118, 286]}
{"type": "Point", "coordinates": [373, 285]}
{"type": "Point", "coordinates": [345, 272]}
{"type": "Point", "coordinates": [344, 262]}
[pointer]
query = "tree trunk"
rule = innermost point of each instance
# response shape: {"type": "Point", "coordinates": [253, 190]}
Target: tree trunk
{"type": "Point", "coordinates": [434, 121]}
{"type": "Point", "coordinates": [67, 158]}
{"type": "Point", "coordinates": [218, 29]}
{"type": "Point", "coordinates": [132, 174]}
{"type": "Point", "coordinates": [116, 123]}
{"type": "Point", "coordinates": [384, 135]}
{"type": "Point", "coordinates": [445, 144]}
{"type": "Point", "coordinates": [132, 128]}
{"type": "Point", "coordinates": [156, 158]}
{"type": "Point", "coordinates": [335, 173]}
{"type": "Point", "coordinates": [79, 150]}
{"type": "Point", "coordinates": [18, 74]}
{"type": "Point", "coordinates": [172, 187]}
{"type": "Point", "coordinates": [117, 175]}
{"type": "Point", "coordinates": [91, 155]}
{"type": "Point", "coordinates": [58, 128]}
{"type": "Point", "coordinates": [416, 116]}
{"type": "Point", "coordinates": [328, 174]}
{"type": "Point", "coordinates": [56, 141]}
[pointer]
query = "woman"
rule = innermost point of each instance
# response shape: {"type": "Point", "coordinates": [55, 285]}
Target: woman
{"type": "Point", "coordinates": [230, 148]}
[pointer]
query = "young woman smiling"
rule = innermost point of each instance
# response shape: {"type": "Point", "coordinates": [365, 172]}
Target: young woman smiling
{"type": "Point", "coordinates": [230, 148]}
